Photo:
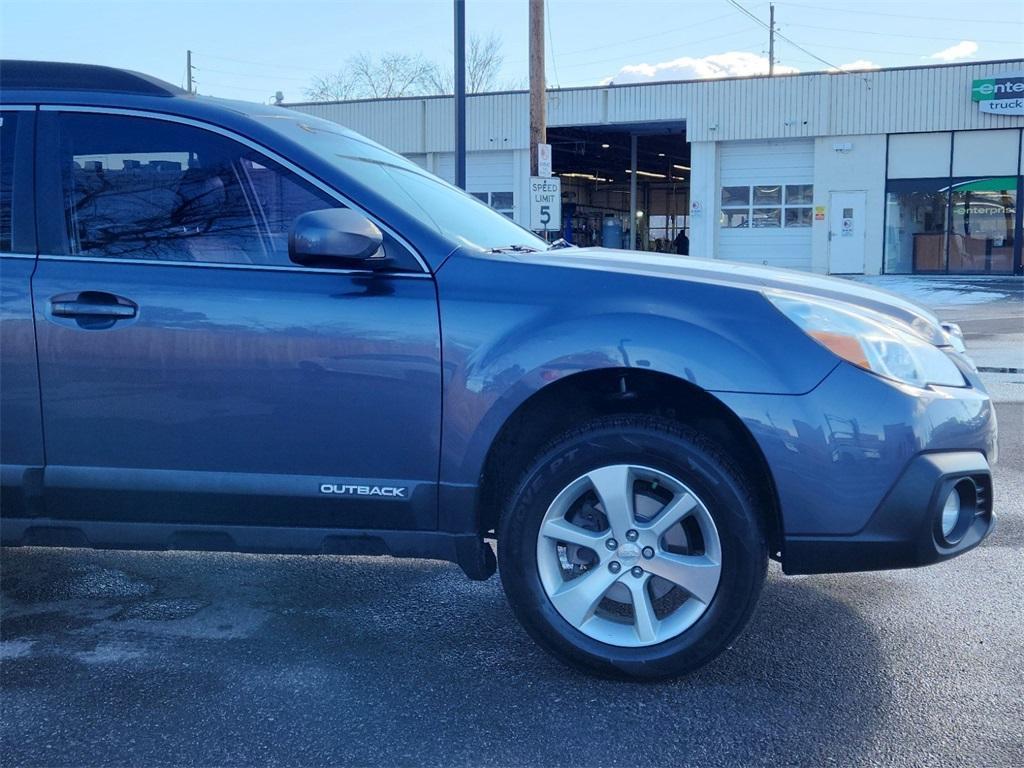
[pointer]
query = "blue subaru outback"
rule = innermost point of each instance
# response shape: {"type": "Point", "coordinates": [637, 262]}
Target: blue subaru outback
{"type": "Point", "coordinates": [234, 327]}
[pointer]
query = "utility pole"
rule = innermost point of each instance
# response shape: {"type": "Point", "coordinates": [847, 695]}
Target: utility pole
{"type": "Point", "coordinates": [460, 93]}
{"type": "Point", "coordinates": [538, 89]}
{"type": "Point", "coordinates": [188, 69]}
{"type": "Point", "coordinates": [771, 40]}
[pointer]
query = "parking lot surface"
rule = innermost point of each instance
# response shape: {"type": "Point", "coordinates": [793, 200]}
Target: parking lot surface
{"type": "Point", "coordinates": [114, 658]}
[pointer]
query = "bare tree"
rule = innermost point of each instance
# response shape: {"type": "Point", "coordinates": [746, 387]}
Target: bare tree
{"type": "Point", "coordinates": [483, 64]}
{"type": "Point", "coordinates": [338, 86]}
{"type": "Point", "coordinates": [393, 74]}
{"type": "Point", "coordinates": [401, 74]}
{"type": "Point", "coordinates": [366, 77]}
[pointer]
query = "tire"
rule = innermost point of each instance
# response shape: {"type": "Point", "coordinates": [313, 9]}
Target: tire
{"type": "Point", "coordinates": [632, 629]}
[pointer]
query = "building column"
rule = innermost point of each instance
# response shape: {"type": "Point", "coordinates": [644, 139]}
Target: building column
{"type": "Point", "coordinates": [632, 192]}
{"type": "Point", "coordinates": [704, 199]}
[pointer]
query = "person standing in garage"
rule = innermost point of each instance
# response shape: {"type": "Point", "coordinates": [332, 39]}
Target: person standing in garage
{"type": "Point", "coordinates": [682, 243]}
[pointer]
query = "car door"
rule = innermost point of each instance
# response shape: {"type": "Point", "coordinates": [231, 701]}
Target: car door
{"type": "Point", "coordinates": [190, 373]}
{"type": "Point", "coordinates": [21, 432]}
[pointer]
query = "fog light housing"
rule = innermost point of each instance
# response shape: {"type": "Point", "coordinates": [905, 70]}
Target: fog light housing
{"type": "Point", "coordinates": [950, 513]}
{"type": "Point", "coordinates": [958, 511]}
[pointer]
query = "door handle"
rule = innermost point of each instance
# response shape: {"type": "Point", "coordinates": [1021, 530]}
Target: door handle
{"type": "Point", "coordinates": [88, 309]}
{"type": "Point", "coordinates": [94, 306]}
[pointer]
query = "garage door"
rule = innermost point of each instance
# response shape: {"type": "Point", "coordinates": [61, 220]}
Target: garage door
{"type": "Point", "coordinates": [765, 208]}
{"type": "Point", "coordinates": [485, 171]}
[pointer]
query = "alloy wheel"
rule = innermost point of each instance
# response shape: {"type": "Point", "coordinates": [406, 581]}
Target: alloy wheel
{"type": "Point", "coordinates": [629, 555]}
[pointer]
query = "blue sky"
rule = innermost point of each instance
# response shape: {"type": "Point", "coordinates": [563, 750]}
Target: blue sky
{"type": "Point", "coordinates": [249, 49]}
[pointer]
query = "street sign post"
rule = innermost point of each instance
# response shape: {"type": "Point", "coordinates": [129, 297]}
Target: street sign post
{"type": "Point", "coordinates": [545, 204]}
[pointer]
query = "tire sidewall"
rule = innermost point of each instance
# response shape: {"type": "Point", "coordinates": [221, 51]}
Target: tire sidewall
{"type": "Point", "coordinates": [681, 455]}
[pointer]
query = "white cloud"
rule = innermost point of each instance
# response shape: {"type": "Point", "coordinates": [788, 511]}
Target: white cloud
{"type": "Point", "coordinates": [962, 50]}
{"type": "Point", "coordinates": [731, 64]}
{"type": "Point", "coordinates": [859, 64]}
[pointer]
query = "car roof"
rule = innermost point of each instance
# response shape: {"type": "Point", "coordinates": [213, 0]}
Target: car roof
{"type": "Point", "coordinates": [19, 75]}
{"type": "Point", "coordinates": [51, 82]}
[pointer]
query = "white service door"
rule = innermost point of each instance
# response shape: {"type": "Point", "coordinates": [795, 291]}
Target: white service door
{"type": "Point", "coordinates": [846, 233]}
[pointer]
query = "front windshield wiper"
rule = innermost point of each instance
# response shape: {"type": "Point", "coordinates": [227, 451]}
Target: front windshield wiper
{"type": "Point", "coordinates": [559, 244]}
{"type": "Point", "coordinates": [515, 248]}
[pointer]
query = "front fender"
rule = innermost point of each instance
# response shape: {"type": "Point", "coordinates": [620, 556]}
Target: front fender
{"type": "Point", "coordinates": [511, 328]}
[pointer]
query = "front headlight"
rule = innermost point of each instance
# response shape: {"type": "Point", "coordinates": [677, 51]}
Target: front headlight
{"type": "Point", "coordinates": [869, 340]}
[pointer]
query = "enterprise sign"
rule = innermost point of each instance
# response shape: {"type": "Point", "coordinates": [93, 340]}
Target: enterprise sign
{"type": "Point", "coordinates": [1000, 95]}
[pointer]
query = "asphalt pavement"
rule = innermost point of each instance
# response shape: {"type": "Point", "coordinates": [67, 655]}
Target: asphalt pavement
{"type": "Point", "coordinates": [120, 658]}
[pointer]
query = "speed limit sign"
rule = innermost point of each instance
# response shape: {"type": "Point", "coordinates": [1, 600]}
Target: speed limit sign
{"type": "Point", "coordinates": [545, 204]}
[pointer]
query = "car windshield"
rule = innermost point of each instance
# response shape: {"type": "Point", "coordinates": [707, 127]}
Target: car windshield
{"type": "Point", "coordinates": [441, 206]}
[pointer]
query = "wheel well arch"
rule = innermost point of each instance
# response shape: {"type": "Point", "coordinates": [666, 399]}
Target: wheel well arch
{"type": "Point", "coordinates": [560, 405]}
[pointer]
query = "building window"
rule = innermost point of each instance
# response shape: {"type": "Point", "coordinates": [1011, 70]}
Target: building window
{"type": "Point", "coordinates": [981, 232]}
{"type": "Point", "coordinates": [799, 198]}
{"type": "Point", "coordinates": [502, 202]}
{"type": "Point", "coordinates": [767, 206]}
{"type": "Point", "coordinates": [915, 225]}
{"type": "Point", "coordinates": [735, 207]}
{"type": "Point", "coordinates": [959, 215]}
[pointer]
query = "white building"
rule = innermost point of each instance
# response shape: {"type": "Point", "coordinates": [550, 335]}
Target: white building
{"type": "Point", "coordinates": [896, 170]}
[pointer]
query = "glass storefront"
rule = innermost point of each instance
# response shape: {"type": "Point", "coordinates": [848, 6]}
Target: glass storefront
{"type": "Point", "coordinates": [967, 226]}
{"type": "Point", "coordinates": [961, 214]}
{"type": "Point", "coordinates": [916, 213]}
{"type": "Point", "coordinates": [982, 225]}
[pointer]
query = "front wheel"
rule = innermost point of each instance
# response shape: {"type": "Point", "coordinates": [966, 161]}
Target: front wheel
{"type": "Point", "coordinates": [632, 547]}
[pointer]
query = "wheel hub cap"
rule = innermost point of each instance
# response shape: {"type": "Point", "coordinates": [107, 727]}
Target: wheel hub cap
{"type": "Point", "coordinates": [628, 551]}
{"type": "Point", "coordinates": [652, 560]}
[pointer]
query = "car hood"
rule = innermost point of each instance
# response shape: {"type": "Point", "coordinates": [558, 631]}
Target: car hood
{"type": "Point", "coordinates": [747, 277]}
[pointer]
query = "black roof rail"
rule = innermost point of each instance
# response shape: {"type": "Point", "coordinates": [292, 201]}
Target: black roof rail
{"type": "Point", "coordinates": [18, 74]}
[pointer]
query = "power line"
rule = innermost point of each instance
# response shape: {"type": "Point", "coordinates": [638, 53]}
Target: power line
{"type": "Point", "coordinates": [234, 87]}
{"type": "Point", "coordinates": [859, 49]}
{"type": "Point", "coordinates": [251, 75]}
{"type": "Point", "coordinates": [551, 42]}
{"type": "Point", "coordinates": [945, 38]}
{"type": "Point", "coordinates": [675, 48]}
{"type": "Point", "coordinates": [735, 4]}
{"type": "Point", "coordinates": [628, 40]}
{"type": "Point", "coordinates": [260, 63]}
{"type": "Point", "coordinates": [861, 12]}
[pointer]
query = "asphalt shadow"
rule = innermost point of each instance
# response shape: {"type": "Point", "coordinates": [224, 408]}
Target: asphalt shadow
{"type": "Point", "coordinates": [175, 658]}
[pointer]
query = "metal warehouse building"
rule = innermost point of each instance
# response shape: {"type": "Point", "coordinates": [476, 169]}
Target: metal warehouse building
{"type": "Point", "coordinates": [909, 170]}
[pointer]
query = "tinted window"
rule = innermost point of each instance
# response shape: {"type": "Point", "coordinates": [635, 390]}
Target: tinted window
{"type": "Point", "coordinates": [142, 188]}
{"type": "Point", "coordinates": [8, 124]}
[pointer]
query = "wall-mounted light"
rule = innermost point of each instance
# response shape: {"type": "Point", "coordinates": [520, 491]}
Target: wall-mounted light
{"type": "Point", "coordinates": [605, 146]}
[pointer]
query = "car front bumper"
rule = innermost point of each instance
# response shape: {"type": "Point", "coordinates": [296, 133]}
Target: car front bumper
{"type": "Point", "coordinates": [859, 464]}
{"type": "Point", "coordinates": [906, 529]}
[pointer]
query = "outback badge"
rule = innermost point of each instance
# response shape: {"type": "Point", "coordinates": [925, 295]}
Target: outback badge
{"type": "Point", "coordinates": [389, 491]}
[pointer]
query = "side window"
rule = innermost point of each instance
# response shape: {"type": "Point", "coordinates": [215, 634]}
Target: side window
{"type": "Point", "coordinates": [141, 188]}
{"type": "Point", "coordinates": [8, 125]}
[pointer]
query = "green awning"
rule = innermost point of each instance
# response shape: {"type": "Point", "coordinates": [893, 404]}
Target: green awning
{"type": "Point", "coordinates": [995, 184]}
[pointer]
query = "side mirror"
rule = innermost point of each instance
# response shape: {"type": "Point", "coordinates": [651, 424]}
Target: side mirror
{"type": "Point", "coordinates": [335, 237]}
